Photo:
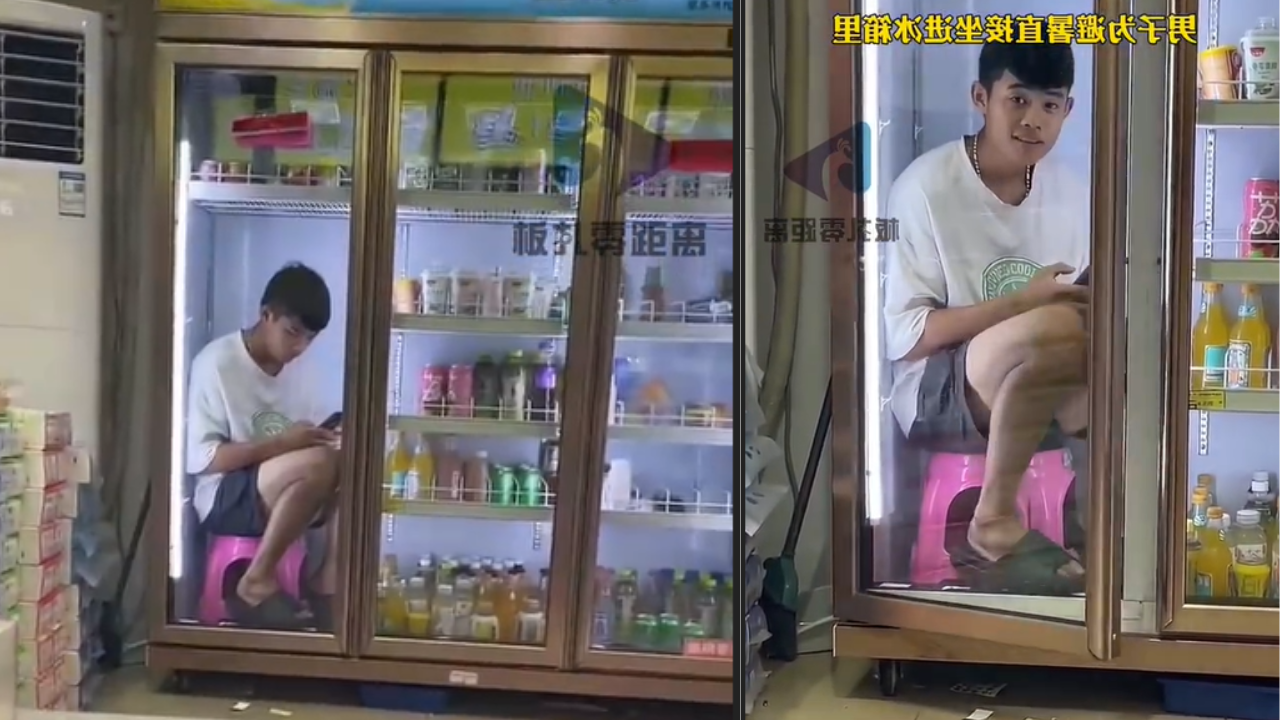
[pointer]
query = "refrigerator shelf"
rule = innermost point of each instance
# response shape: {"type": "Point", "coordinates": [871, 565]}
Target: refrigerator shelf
{"type": "Point", "coordinates": [481, 427]}
{"type": "Point", "coordinates": [673, 434]}
{"type": "Point", "coordinates": [710, 522]}
{"type": "Point", "coordinates": [712, 210]}
{"type": "Point", "coordinates": [280, 200]}
{"type": "Point", "coordinates": [530, 327]}
{"type": "Point", "coordinates": [1259, 270]}
{"type": "Point", "coordinates": [1238, 114]}
{"type": "Point", "coordinates": [1236, 401]}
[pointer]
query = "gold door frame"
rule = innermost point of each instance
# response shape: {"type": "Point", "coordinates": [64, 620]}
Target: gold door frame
{"type": "Point", "coordinates": [566, 516]}
{"type": "Point", "coordinates": [455, 35]}
{"type": "Point", "coordinates": [1106, 377]}
{"type": "Point", "coordinates": [629, 71]}
{"type": "Point", "coordinates": [170, 58]}
{"type": "Point", "coordinates": [1179, 617]}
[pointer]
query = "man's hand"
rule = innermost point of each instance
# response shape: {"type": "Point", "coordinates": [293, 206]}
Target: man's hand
{"type": "Point", "coordinates": [1044, 289]}
{"type": "Point", "coordinates": [301, 436]}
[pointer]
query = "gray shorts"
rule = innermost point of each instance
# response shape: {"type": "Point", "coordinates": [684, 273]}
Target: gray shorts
{"type": "Point", "coordinates": [944, 421]}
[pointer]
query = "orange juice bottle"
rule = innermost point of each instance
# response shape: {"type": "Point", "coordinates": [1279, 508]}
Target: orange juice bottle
{"type": "Point", "coordinates": [1210, 338]}
{"type": "Point", "coordinates": [1193, 557]}
{"type": "Point", "coordinates": [510, 597]}
{"type": "Point", "coordinates": [1199, 508]}
{"type": "Point", "coordinates": [1206, 482]}
{"type": "Point", "coordinates": [1249, 351]}
{"type": "Point", "coordinates": [1213, 564]}
{"type": "Point", "coordinates": [422, 484]}
{"type": "Point", "coordinates": [399, 463]}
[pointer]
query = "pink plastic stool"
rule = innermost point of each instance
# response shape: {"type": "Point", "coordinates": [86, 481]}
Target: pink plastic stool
{"type": "Point", "coordinates": [227, 550]}
{"type": "Point", "coordinates": [1041, 502]}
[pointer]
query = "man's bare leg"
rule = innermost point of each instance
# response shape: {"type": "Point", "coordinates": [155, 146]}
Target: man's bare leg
{"type": "Point", "coordinates": [327, 577]}
{"type": "Point", "coordinates": [294, 487]}
{"type": "Point", "coordinates": [1023, 374]}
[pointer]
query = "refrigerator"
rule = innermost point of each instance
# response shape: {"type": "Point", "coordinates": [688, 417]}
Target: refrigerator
{"type": "Point", "coordinates": [529, 340]}
{"type": "Point", "coordinates": [1182, 198]}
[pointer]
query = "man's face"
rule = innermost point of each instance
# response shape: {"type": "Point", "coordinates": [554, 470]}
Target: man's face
{"type": "Point", "coordinates": [286, 338]}
{"type": "Point", "coordinates": [1022, 124]}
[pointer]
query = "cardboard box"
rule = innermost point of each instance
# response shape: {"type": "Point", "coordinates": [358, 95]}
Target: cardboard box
{"type": "Point", "coordinates": [36, 582]}
{"type": "Point", "coordinates": [49, 468]}
{"type": "Point", "coordinates": [13, 478]}
{"type": "Point", "coordinates": [43, 692]}
{"type": "Point", "coordinates": [36, 544]}
{"type": "Point", "coordinates": [10, 517]}
{"type": "Point", "coordinates": [35, 657]}
{"type": "Point", "coordinates": [38, 506]}
{"type": "Point", "coordinates": [39, 619]}
{"type": "Point", "coordinates": [8, 668]}
{"type": "Point", "coordinates": [41, 429]}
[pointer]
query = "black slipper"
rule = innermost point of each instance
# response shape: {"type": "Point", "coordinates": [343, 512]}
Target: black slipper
{"type": "Point", "coordinates": [322, 612]}
{"type": "Point", "coordinates": [277, 612]}
{"type": "Point", "coordinates": [1030, 568]}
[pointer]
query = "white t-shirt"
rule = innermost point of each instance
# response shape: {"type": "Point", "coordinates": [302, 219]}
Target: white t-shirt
{"type": "Point", "coordinates": [231, 399]}
{"type": "Point", "coordinates": [960, 245]}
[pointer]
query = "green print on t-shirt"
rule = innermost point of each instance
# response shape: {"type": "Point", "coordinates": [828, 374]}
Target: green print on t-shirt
{"type": "Point", "coordinates": [269, 423]}
{"type": "Point", "coordinates": [1007, 275]}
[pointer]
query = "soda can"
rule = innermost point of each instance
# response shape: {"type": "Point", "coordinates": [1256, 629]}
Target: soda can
{"type": "Point", "coordinates": [459, 391]}
{"type": "Point", "coordinates": [533, 489]}
{"type": "Point", "coordinates": [1260, 230]}
{"type": "Point", "coordinates": [506, 489]}
{"type": "Point", "coordinates": [435, 381]}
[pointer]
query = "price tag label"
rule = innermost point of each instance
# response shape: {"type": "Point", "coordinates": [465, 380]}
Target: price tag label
{"type": "Point", "coordinates": [1208, 400]}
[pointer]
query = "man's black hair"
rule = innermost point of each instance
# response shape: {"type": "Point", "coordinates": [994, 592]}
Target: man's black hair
{"type": "Point", "coordinates": [1039, 66]}
{"type": "Point", "coordinates": [296, 291]}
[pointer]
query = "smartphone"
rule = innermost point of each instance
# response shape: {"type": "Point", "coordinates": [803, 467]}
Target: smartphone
{"type": "Point", "coordinates": [333, 421]}
{"type": "Point", "coordinates": [1083, 279]}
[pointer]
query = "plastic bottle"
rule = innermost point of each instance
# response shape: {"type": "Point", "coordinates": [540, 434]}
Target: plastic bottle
{"type": "Point", "coordinates": [1249, 351]}
{"type": "Point", "coordinates": [464, 602]}
{"type": "Point", "coordinates": [544, 373]}
{"type": "Point", "coordinates": [1213, 565]}
{"type": "Point", "coordinates": [605, 611]}
{"type": "Point", "coordinates": [626, 591]}
{"type": "Point", "coordinates": [449, 481]}
{"type": "Point", "coordinates": [421, 482]}
{"type": "Point", "coordinates": [1193, 557]}
{"type": "Point", "coordinates": [399, 463]}
{"type": "Point", "coordinates": [1199, 514]}
{"type": "Point", "coordinates": [531, 622]}
{"type": "Point", "coordinates": [707, 605]}
{"type": "Point", "coordinates": [1209, 340]}
{"type": "Point", "coordinates": [1207, 482]}
{"type": "Point", "coordinates": [1263, 499]}
{"type": "Point", "coordinates": [515, 384]}
{"type": "Point", "coordinates": [1259, 52]}
{"type": "Point", "coordinates": [442, 605]}
{"type": "Point", "coordinates": [418, 608]}
{"type": "Point", "coordinates": [1251, 570]}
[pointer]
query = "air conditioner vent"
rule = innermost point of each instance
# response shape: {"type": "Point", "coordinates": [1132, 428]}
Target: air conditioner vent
{"type": "Point", "coordinates": [41, 95]}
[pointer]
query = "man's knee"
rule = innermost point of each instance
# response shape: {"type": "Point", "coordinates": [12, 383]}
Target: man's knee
{"type": "Point", "coordinates": [315, 467]}
{"type": "Point", "coordinates": [1051, 339]}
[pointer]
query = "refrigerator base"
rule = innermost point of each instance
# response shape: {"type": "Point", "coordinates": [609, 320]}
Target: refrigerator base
{"type": "Point", "coordinates": [1135, 653]}
{"type": "Point", "coordinates": [166, 659]}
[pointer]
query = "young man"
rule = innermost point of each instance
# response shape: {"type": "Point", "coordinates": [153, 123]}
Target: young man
{"type": "Point", "coordinates": [987, 337]}
{"type": "Point", "coordinates": [263, 468]}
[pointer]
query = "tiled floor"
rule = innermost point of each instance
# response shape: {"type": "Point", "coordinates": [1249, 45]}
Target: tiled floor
{"type": "Point", "coordinates": [812, 688]}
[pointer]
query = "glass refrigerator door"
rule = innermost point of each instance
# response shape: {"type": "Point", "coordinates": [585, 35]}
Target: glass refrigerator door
{"type": "Point", "coordinates": [1224, 464]}
{"type": "Point", "coordinates": [260, 146]}
{"type": "Point", "coordinates": [491, 181]}
{"type": "Point", "coordinates": [959, 477]}
{"type": "Point", "coordinates": [658, 592]}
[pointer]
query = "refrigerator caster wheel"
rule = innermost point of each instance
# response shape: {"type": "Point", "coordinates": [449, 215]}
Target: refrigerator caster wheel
{"type": "Point", "coordinates": [888, 675]}
{"type": "Point", "coordinates": [179, 683]}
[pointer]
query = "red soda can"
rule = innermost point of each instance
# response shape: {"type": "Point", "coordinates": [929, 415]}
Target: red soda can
{"type": "Point", "coordinates": [461, 402]}
{"type": "Point", "coordinates": [1260, 230]}
{"type": "Point", "coordinates": [435, 381]}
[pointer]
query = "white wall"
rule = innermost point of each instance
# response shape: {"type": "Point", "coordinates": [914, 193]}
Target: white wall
{"type": "Point", "coordinates": [812, 364]}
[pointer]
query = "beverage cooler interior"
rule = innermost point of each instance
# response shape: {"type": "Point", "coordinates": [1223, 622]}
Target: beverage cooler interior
{"type": "Point", "coordinates": [919, 501]}
{"type": "Point", "coordinates": [252, 197]}
{"type": "Point", "coordinates": [1234, 419]}
{"type": "Point", "coordinates": [476, 384]}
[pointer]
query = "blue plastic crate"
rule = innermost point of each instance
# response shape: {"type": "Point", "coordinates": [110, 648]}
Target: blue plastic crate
{"type": "Point", "coordinates": [404, 698]}
{"type": "Point", "coordinates": [1221, 700]}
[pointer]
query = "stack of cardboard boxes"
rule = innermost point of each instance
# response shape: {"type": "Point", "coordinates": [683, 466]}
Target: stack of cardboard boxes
{"type": "Point", "coordinates": [40, 474]}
